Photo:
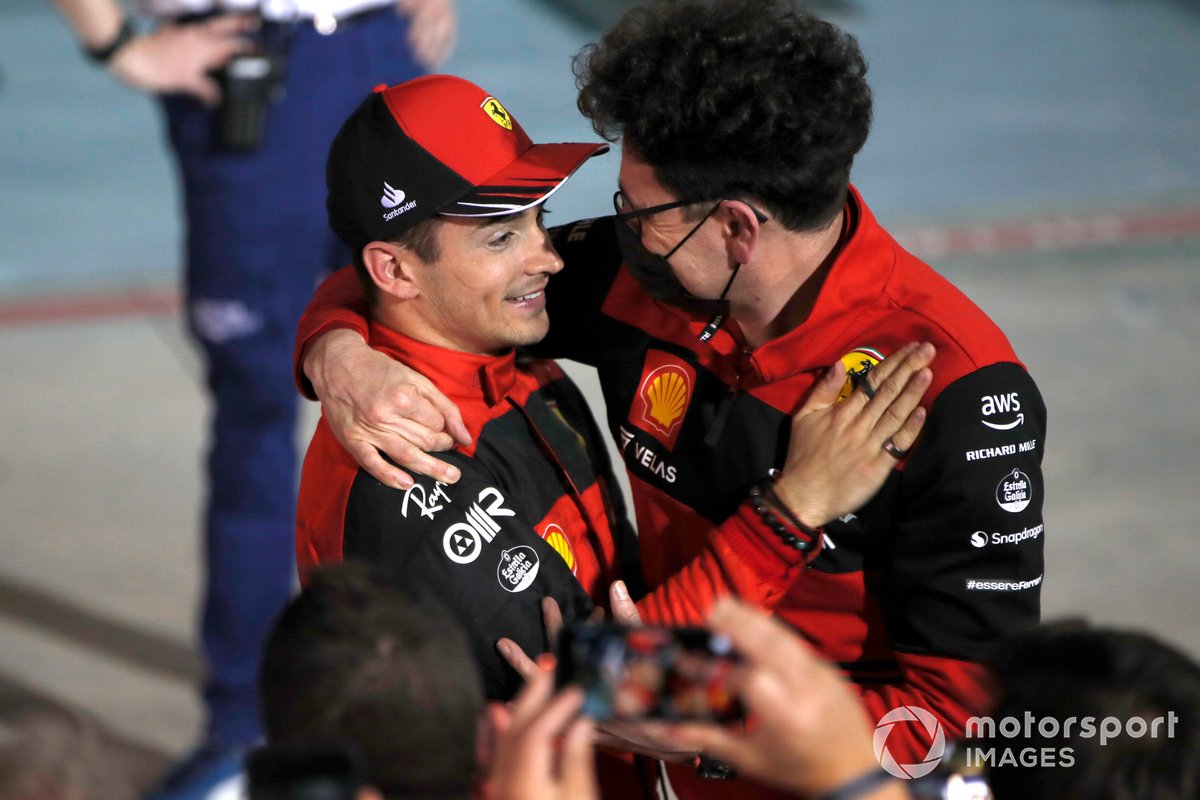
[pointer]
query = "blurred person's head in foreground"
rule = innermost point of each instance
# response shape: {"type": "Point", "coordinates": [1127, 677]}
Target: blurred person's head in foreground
{"type": "Point", "coordinates": [438, 191]}
{"type": "Point", "coordinates": [354, 660]}
{"type": "Point", "coordinates": [1123, 682]}
{"type": "Point", "coordinates": [57, 753]}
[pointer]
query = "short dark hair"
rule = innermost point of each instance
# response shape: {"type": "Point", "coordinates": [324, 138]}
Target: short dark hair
{"type": "Point", "coordinates": [353, 659]}
{"type": "Point", "coordinates": [733, 99]}
{"type": "Point", "coordinates": [1070, 670]}
{"type": "Point", "coordinates": [421, 239]}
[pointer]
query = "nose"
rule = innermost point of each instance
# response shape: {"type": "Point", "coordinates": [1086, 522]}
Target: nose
{"type": "Point", "coordinates": [544, 259]}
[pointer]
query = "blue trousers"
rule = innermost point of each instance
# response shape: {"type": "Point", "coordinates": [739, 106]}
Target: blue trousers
{"type": "Point", "coordinates": [257, 243]}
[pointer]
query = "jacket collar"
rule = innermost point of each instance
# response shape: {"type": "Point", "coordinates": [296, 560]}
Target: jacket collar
{"type": "Point", "coordinates": [457, 374]}
{"type": "Point", "coordinates": [856, 281]}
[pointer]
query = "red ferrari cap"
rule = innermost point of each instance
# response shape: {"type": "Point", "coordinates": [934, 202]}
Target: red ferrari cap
{"type": "Point", "coordinates": [437, 145]}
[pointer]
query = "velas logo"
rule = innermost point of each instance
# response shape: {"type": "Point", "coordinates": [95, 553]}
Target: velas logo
{"type": "Point", "coordinates": [663, 396]}
{"type": "Point", "coordinates": [557, 538]}
{"type": "Point", "coordinates": [858, 363]}
{"type": "Point", "coordinates": [497, 112]}
{"type": "Point", "coordinates": [909, 716]}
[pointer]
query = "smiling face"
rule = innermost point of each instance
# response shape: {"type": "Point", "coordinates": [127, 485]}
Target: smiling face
{"type": "Point", "coordinates": [485, 292]}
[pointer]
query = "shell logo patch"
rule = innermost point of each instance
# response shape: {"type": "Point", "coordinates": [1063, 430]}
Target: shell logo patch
{"type": "Point", "coordinates": [858, 363]}
{"type": "Point", "coordinates": [667, 394]}
{"type": "Point", "coordinates": [663, 396]}
{"type": "Point", "coordinates": [557, 538]}
{"type": "Point", "coordinates": [497, 112]}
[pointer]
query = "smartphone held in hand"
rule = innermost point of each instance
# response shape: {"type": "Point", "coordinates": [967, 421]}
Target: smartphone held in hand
{"type": "Point", "coordinates": [650, 672]}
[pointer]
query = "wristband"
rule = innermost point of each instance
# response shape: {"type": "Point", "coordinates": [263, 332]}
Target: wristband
{"type": "Point", "coordinates": [126, 34]}
{"type": "Point", "coordinates": [758, 501]}
{"type": "Point", "coordinates": [858, 787]}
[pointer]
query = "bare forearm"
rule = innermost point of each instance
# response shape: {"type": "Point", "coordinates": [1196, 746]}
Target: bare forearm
{"type": "Point", "coordinates": [95, 22]}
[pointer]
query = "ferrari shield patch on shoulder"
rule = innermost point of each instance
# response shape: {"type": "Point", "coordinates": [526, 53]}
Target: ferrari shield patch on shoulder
{"type": "Point", "coordinates": [858, 363]}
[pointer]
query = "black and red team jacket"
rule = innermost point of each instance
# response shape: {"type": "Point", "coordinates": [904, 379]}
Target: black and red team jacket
{"type": "Point", "coordinates": [910, 590]}
{"type": "Point", "coordinates": [535, 513]}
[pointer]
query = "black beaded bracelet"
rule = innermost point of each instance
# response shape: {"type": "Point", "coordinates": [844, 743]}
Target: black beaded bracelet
{"type": "Point", "coordinates": [758, 501]}
{"type": "Point", "coordinates": [860, 786]}
{"type": "Point", "coordinates": [126, 34]}
{"type": "Point", "coordinates": [773, 496]}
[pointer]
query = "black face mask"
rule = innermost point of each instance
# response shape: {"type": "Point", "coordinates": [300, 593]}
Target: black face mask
{"type": "Point", "coordinates": [654, 271]}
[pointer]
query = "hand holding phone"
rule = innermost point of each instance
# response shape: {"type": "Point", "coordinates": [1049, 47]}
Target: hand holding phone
{"type": "Point", "coordinates": [649, 672]}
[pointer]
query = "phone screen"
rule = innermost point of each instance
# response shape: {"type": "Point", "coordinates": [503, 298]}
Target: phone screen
{"type": "Point", "coordinates": [649, 673]}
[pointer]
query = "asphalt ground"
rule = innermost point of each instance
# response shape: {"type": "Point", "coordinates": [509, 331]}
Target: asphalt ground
{"type": "Point", "coordinates": [1046, 157]}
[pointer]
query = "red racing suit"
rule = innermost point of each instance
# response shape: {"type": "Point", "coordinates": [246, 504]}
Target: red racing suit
{"type": "Point", "coordinates": [533, 515]}
{"type": "Point", "coordinates": [910, 590]}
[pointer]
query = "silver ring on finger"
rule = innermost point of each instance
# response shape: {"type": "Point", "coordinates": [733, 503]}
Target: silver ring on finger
{"type": "Point", "coordinates": [890, 448]}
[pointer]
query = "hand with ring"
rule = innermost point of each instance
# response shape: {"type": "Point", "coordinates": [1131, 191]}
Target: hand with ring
{"type": "Point", "coordinates": [840, 453]}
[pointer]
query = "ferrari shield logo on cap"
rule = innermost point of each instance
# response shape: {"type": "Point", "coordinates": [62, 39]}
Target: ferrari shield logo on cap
{"type": "Point", "coordinates": [497, 112]}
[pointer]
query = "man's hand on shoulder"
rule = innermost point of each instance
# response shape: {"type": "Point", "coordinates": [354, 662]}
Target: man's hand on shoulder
{"type": "Point", "coordinates": [375, 405]}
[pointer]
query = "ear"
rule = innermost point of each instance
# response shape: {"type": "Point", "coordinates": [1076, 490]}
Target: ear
{"type": "Point", "coordinates": [391, 268]}
{"type": "Point", "coordinates": [741, 230]}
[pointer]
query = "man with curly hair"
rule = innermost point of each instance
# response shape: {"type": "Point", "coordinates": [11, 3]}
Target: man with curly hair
{"type": "Point", "coordinates": [741, 261]}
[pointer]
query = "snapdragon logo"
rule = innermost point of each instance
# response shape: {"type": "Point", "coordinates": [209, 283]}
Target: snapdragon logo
{"type": "Point", "coordinates": [909, 715]}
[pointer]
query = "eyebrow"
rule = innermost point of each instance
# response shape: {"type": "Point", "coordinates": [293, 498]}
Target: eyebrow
{"type": "Point", "coordinates": [505, 219]}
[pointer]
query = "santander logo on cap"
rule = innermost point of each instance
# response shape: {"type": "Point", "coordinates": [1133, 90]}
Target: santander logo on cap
{"type": "Point", "coordinates": [392, 197]}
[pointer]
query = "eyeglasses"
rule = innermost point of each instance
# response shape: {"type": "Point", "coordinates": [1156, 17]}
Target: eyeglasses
{"type": "Point", "coordinates": [633, 216]}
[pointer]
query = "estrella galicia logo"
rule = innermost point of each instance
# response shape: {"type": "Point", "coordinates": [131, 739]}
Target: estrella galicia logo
{"type": "Point", "coordinates": [392, 197]}
{"type": "Point", "coordinates": [518, 568]}
{"type": "Point", "coordinates": [933, 729]}
{"type": "Point", "coordinates": [1014, 492]}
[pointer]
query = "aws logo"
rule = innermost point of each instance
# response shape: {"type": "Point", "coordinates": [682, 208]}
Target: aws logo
{"type": "Point", "coordinates": [497, 112]}
{"type": "Point", "coordinates": [858, 363]}
{"type": "Point", "coordinates": [557, 538]}
{"type": "Point", "coordinates": [1007, 406]}
{"type": "Point", "coordinates": [663, 396]}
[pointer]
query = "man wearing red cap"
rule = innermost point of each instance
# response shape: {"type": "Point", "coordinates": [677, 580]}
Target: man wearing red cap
{"type": "Point", "coordinates": [740, 263]}
{"type": "Point", "coordinates": [438, 191]}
